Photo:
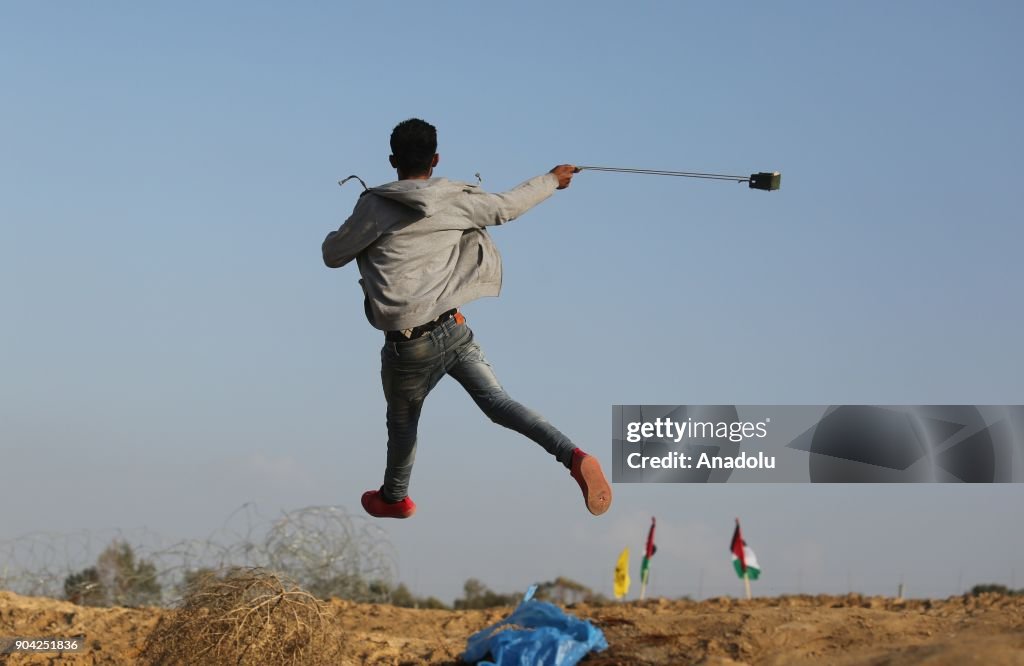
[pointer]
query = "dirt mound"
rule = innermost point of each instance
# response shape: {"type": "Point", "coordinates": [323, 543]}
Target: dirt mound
{"type": "Point", "coordinates": [843, 630]}
{"type": "Point", "coordinates": [112, 635]}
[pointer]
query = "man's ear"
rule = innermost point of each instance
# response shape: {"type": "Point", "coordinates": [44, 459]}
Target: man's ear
{"type": "Point", "coordinates": [394, 163]}
{"type": "Point", "coordinates": [433, 162]}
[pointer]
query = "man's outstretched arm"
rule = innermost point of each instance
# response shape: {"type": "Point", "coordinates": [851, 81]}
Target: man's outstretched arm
{"type": "Point", "coordinates": [355, 235]}
{"type": "Point", "coordinates": [504, 207]}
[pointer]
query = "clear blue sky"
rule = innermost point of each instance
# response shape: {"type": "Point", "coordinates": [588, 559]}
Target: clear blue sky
{"type": "Point", "coordinates": [173, 347]}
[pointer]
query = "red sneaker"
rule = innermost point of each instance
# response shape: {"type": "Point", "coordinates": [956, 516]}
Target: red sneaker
{"type": "Point", "coordinates": [587, 472]}
{"type": "Point", "coordinates": [378, 508]}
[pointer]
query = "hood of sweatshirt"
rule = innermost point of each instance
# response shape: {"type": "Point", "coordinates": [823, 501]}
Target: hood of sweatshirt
{"type": "Point", "coordinates": [424, 196]}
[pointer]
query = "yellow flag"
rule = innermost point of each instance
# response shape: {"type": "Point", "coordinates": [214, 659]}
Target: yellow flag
{"type": "Point", "coordinates": [622, 575]}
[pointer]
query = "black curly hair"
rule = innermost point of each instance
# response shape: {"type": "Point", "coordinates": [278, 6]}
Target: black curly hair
{"type": "Point", "coordinates": [413, 144]}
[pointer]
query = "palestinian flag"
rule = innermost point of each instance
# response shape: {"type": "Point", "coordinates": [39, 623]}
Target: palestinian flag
{"type": "Point", "coordinates": [645, 565]}
{"type": "Point", "coordinates": [743, 558]}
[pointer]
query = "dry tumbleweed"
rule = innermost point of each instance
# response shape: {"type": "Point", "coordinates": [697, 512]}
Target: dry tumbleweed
{"type": "Point", "coordinates": [245, 616]}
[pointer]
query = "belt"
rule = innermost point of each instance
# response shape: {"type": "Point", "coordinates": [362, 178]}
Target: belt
{"type": "Point", "coordinates": [419, 331]}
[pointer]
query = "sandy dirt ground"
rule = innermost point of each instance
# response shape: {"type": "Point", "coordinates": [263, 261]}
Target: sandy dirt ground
{"type": "Point", "coordinates": [842, 630]}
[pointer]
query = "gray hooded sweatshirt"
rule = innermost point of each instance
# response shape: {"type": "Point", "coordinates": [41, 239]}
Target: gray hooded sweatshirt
{"type": "Point", "coordinates": [422, 246]}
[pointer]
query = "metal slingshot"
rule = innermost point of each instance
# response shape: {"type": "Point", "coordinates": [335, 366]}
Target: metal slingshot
{"type": "Point", "coordinates": [765, 180]}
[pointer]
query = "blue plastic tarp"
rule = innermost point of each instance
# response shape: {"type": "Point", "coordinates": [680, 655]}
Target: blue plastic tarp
{"type": "Point", "coordinates": [535, 634]}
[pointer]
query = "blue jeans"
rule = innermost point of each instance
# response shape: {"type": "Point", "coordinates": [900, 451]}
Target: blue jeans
{"type": "Point", "coordinates": [411, 369]}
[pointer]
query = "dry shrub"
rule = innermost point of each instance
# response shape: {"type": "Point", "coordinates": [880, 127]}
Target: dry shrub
{"type": "Point", "coordinates": [245, 616]}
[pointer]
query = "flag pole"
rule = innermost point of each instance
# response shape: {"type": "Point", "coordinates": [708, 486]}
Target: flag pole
{"type": "Point", "coordinates": [643, 585]}
{"type": "Point", "coordinates": [746, 583]}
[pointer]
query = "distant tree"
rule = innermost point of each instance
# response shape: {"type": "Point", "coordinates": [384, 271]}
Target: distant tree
{"type": "Point", "coordinates": [117, 579]}
{"type": "Point", "coordinates": [379, 591]}
{"type": "Point", "coordinates": [128, 582]}
{"type": "Point", "coordinates": [84, 588]}
{"type": "Point", "coordinates": [403, 597]}
{"type": "Point", "coordinates": [993, 588]}
{"type": "Point", "coordinates": [567, 591]}
{"type": "Point", "coordinates": [478, 595]}
{"type": "Point", "coordinates": [343, 586]}
{"type": "Point", "coordinates": [472, 590]}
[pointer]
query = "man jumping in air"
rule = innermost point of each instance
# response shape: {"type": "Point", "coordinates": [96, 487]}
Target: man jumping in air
{"type": "Point", "coordinates": [423, 251]}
